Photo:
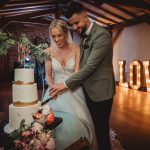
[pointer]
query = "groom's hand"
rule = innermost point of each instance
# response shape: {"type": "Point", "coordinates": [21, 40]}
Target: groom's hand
{"type": "Point", "coordinates": [57, 89]}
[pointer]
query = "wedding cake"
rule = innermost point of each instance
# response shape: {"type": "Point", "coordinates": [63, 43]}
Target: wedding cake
{"type": "Point", "coordinates": [25, 99]}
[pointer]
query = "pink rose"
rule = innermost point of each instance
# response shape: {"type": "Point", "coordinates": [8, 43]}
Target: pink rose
{"type": "Point", "coordinates": [38, 144]}
{"type": "Point", "coordinates": [19, 144]}
{"type": "Point", "coordinates": [35, 144]}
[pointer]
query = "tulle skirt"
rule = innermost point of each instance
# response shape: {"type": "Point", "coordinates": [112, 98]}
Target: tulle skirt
{"type": "Point", "coordinates": [77, 122]}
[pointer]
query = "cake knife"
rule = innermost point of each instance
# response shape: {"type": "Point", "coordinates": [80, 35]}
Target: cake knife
{"type": "Point", "coordinates": [46, 101]}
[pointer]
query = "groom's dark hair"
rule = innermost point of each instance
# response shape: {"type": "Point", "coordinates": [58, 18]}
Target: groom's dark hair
{"type": "Point", "coordinates": [74, 8]}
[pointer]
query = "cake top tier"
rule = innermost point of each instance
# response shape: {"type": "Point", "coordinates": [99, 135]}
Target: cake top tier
{"type": "Point", "coordinates": [25, 75]}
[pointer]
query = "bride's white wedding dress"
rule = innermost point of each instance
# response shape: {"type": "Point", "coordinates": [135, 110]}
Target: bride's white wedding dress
{"type": "Point", "coordinates": [71, 106]}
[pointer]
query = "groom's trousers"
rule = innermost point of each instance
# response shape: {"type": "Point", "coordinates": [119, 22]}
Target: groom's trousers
{"type": "Point", "coordinates": [100, 112]}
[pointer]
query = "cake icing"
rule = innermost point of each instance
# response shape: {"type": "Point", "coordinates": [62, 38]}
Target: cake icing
{"type": "Point", "coordinates": [24, 93]}
{"type": "Point", "coordinates": [24, 75]}
{"type": "Point", "coordinates": [25, 99]}
{"type": "Point", "coordinates": [17, 114]}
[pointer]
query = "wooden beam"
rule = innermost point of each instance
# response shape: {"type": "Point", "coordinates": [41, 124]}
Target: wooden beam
{"type": "Point", "coordinates": [17, 4]}
{"type": "Point", "coordinates": [100, 15]}
{"type": "Point", "coordinates": [32, 6]}
{"type": "Point", "coordinates": [27, 1]}
{"type": "Point", "coordinates": [138, 20]}
{"type": "Point", "coordinates": [5, 20]}
{"type": "Point", "coordinates": [146, 11]}
{"type": "Point", "coordinates": [3, 2]}
{"type": "Point", "coordinates": [27, 9]}
{"type": "Point", "coordinates": [23, 13]}
{"type": "Point", "coordinates": [124, 10]}
{"type": "Point", "coordinates": [135, 3]}
{"type": "Point", "coordinates": [106, 11]}
{"type": "Point", "coordinates": [98, 20]}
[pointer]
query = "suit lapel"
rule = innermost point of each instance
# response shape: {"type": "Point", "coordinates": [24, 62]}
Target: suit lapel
{"type": "Point", "coordinates": [81, 48]}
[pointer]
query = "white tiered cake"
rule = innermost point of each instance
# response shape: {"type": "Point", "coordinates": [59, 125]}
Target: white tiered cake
{"type": "Point", "coordinates": [25, 99]}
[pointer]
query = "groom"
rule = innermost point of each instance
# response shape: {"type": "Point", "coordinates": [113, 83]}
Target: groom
{"type": "Point", "coordinates": [96, 75]}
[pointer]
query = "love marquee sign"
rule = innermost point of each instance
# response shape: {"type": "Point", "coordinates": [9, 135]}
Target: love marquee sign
{"type": "Point", "coordinates": [139, 72]}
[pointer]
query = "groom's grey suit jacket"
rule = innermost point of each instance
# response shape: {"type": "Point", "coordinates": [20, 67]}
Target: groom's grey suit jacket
{"type": "Point", "coordinates": [96, 74]}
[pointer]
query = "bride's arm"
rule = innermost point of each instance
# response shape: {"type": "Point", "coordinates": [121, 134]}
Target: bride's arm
{"type": "Point", "coordinates": [48, 67]}
{"type": "Point", "coordinates": [77, 59]}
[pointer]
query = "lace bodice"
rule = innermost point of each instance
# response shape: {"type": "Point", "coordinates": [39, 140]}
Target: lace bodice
{"type": "Point", "coordinates": [62, 73]}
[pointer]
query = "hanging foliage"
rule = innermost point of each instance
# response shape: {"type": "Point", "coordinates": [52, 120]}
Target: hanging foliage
{"type": "Point", "coordinates": [6, 41]}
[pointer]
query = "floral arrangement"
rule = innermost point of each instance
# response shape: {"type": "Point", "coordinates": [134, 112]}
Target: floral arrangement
{"type": "Point", "coordinates": [38, 135]}
{"type": "Point", "coordinates": [6, 41]}
{"type": "Point", "coordinates": [26, 48]}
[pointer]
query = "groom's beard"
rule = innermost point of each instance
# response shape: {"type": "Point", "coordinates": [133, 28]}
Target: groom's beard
{"type": "Point", "coordinates": [83, 31]}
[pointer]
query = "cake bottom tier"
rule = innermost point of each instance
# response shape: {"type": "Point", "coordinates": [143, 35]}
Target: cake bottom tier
{"type": "Point", "coordinates": [17, 114]}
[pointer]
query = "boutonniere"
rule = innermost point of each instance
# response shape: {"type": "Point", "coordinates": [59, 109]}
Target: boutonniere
{"type": "Point", "coordinates": [85, 44]}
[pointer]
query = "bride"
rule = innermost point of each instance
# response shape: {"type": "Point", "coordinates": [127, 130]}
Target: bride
{"type": "Point", "coordinates": [61, 61]}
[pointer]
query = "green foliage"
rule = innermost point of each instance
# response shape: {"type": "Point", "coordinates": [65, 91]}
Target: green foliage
{"type": "Point", "coordinates": [6, 41]}
{"type": "Point", "coordinates": [24, 40]}
{"type": "Point", "coordinates": [36, 51]}
{"type": "Point", "coordinates": [17, 134]}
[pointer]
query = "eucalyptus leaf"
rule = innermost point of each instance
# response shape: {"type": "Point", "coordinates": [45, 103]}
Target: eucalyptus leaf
{"type": "Point", "coordinates": [22, 123]}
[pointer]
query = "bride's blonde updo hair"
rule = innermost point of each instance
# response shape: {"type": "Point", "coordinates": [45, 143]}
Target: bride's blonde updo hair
{"type": "Point", "coordinates": [60, 24]}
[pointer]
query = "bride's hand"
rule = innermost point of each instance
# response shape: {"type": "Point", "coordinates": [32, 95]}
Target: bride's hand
{"type": "Point", "coordinates": [57, 89]}
{"type": "Point", "coordinates": [52, 97]}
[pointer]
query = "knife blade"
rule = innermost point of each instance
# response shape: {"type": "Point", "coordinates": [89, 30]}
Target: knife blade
{"type": "Point", "coordinates": [45, 102]}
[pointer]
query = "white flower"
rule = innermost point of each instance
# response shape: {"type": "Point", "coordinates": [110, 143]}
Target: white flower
{"type": "Point", "coordinates": [40, 108]}
{"type": "Point", "coordinates": [35, 144]}
{"type": "Point", "coordinates": [46, 110]}
{"type": "Point", "coordinates": [37, 127]}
